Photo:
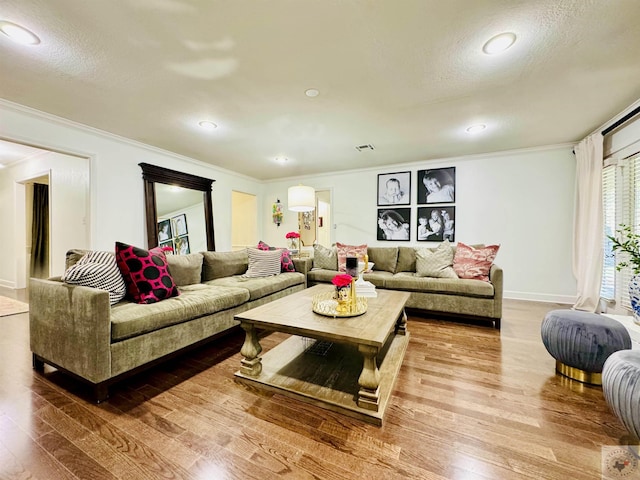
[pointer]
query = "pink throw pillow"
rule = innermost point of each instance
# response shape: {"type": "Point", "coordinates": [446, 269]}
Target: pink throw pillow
{"type": "Point", "coordinates": [146, 273]}
{"type": "Point", "coordinates": [345, 251]}
{"type": "Point", "coordinates": [474, 263]}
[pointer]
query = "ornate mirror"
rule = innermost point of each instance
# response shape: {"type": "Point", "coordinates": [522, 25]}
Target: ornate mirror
{"type": "Point", "coordinates": [178, 209]}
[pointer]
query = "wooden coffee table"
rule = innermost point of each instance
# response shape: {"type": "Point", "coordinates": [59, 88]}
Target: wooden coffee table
{"type": "Point", "coordinates": [348, 365]}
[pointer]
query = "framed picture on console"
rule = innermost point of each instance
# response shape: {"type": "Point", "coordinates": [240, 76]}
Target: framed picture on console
{"type": "Point", "coordinates": [437, 185]}
{"type": "Point", "coordinates": [436, 224]}
{"type": "Point", "coordinates": [394, 224]}
{"type": "Point", "coordinates": [179, 223]}
{"type": "Point", "coordinates": [394, 188]}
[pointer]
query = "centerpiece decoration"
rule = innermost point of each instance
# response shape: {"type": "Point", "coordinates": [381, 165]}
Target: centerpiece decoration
{"type": "Point", "coordinates": [294, 241]}
{"type": "Point", "coordinates": [627, 241]}
{"type": "Point", "coordinates": [344, 292]}
{"type": "Point", "coordinates": [342, 301]}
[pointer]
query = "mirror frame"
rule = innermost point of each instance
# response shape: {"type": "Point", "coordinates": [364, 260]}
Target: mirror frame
{"type": "Point", "coordinates": [152, 174]}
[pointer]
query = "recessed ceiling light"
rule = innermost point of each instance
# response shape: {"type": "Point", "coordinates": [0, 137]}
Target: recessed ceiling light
{"type": "Point", "coordinates": [208, 125]}
{"type": "Point", "coordinates": [18, 34]}
{"type": "Point", "coordinates": [312, 92]}
{"type": "Point", "coordinates": [476, 128]}
{"type": "Point", "coordinates": [499, 43]}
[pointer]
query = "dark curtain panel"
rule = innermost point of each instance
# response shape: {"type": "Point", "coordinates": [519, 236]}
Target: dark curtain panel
{"type": "Point", "coordinates": [40, 232]}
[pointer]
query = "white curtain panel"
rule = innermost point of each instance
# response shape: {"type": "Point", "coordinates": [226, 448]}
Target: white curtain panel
{"type": "Point", "coordinates": [587, 231]}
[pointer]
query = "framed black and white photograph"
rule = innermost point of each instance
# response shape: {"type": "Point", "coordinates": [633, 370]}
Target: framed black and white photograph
{"type": "Point", "coordinates": [394, 224]}
{"type": "Point", "coordinates": [437, 185]}
{"type": "Point", "coordinates": [164, 230]}
{"type": "Point", "coordinates": [179, 225]}
{"type": "Point", "coordinates": [182, 245]}
{"type": "Point", "coordinates": [394, 188]}
{"type": "Point", "coordinates": [167, 244]}
{"type": "Point", "coordinates": [436, 224]}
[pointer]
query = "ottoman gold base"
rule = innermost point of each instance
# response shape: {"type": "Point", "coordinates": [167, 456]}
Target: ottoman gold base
{"type": "Point", "coordinates": [579, 375]}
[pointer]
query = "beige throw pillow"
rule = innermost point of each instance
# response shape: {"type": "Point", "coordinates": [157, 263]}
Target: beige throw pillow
{"type": "Point", "coordinates": [185, 269]}
{"type": "Point", "coordinates": [324, 257]}
{"type": "Point", "coordinates": [436, 263]}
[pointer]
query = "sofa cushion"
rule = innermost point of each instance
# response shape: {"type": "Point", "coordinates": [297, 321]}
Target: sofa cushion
{"type": "Point", "coordinates": [344, 251]}
{"type": "Point", "coordinates": [455, 286]}
{"type": "Point", "coordinates": [98, 270]}
{"type": "Point", "coordinates": [384, 258]}
{"type": "Point", "coordinates": [185, 269]}
{"type": "Point", "coordinates": [324, 257]}
{"type": "Point", "coordinates": [474, 263]}
{"type": "Point", "coordinates": [320, 275]}
{"type": "Point", "coordinates": [435, 262]}
{"type": "Point", "coordinates": [130, 319]}
{"type": "Point", "coordinates": [146, 273]}
{"type": "Point", "coordinates": [259, 287]}
{"type": "Point", "coordinates": [224, 264]}
{"type": "Point", "coordinates": [406, 259]}
{"type": "Point", "coordinates": [263, 263]}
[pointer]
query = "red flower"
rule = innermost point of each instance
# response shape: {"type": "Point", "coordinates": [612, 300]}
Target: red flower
{"type": "Point", "coordinates": [292, 235]}
{"type": "Point", "coordinates": [342, 280]}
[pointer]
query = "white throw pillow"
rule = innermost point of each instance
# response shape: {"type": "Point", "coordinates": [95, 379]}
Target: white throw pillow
{"type": "Point", "coordinates": [98, 270]}
{"type": "Point", "coordinates": [436, 263]}
{"type": "Point", "coordinates": [263, 263]}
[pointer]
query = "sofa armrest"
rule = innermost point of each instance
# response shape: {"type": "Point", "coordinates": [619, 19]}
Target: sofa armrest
{"type": "Point", "coordinates": [495, 277]}
{"type": "Point", "coordinates": [303, 265]}
{"type": "Point", "coordinates": [70, 326]}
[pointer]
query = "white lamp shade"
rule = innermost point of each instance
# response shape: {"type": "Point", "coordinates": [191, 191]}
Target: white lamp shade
{"type": "Point", "coordinates": [302, 199]}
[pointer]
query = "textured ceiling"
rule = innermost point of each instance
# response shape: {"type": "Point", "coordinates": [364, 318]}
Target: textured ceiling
{"type": "Point", "coordinates": [407, 76]}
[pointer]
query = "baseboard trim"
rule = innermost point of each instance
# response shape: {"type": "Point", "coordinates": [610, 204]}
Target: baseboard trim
{"type": "Point", "coordinates": [540, 297]}
{"type": "Point", "coordinates": [7, 284]}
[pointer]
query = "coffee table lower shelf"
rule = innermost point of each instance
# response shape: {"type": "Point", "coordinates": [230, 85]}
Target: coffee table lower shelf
{"type": "Point", "coordinates": [328, 380]}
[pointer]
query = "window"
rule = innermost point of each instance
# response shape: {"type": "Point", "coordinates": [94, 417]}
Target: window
{"type": "Point", "coordinates": [621, 202]}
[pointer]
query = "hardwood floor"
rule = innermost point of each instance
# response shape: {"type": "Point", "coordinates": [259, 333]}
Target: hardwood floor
{"type": "Point", "coordinates": [470, 403]}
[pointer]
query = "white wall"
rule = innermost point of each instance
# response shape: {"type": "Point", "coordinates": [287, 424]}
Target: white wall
{"type": "Point", "coordinates": [117, 195]}
{"type": "Point", "coordinates": [69, 210]}
{"type": "Point", "coordinates": [521, 200]}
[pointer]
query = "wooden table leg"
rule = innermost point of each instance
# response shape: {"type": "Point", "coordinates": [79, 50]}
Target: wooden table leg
{"type": "Point", "coordinates": [251, 363]}
{"type": "Point", "coordinates": [369, 381]}
{"type": "Point", "coordinates": [401, 324]}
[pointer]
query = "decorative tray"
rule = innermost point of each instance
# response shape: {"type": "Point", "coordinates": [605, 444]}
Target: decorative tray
{"type": "Point", "coordinates": [325, 304]}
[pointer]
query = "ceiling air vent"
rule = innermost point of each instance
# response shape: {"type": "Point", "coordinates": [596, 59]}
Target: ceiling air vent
{"type": "Point", "coordinates": [360, 148]}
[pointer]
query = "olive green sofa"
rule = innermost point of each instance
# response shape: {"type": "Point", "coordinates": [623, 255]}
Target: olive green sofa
{"type": "Point", "coordinates": [74, 328]}
{"type": "Point", "coordinates": [395, 269]}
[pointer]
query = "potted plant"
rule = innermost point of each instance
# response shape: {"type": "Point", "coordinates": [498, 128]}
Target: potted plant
{"type": "Point", "coordinates": [627, 241]}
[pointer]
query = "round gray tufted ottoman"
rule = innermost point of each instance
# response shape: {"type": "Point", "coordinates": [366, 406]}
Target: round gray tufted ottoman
{"type": "Point", "coordinates": [621, 387]}
{"type": "Point", "coordinates": [581, 342]}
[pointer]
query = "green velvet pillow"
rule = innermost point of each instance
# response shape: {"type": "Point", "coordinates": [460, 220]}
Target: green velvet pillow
{"type": "Point", "coordinates": [224, 264]}
{"type": "Point", "coordinates": [406, 259]}
{"type": "Point", "coordinates": [385, 258]}
{"type": "Point", "coordinates": [185, 269]}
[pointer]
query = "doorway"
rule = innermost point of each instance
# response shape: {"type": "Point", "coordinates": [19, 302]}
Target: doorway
{"type": "Point", "coordinates": [37, 227]}
{"type": "Point", "coordinates": [315, 226]}
{"type": "Point", "coordinates": [244, 220]}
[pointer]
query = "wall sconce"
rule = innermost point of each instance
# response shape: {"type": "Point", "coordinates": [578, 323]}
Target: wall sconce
{"type": "Point", "coordinates": [301, 199]}
{"type": "Point", "coordinates": [277, 212]}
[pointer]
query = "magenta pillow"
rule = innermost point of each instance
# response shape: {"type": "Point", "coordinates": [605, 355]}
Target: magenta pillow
{"type": "Point", "coordinates": [474, 263]}
{"type": "Point", "coordinates": [146, 273]}
{"type": "Point", "coordinates": [285, 257]}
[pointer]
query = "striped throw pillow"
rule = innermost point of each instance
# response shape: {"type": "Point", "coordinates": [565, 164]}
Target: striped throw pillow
{"type": "Point", "coordinates": [263, 263]}
{"type": "Point", "coordinates": [98, 270]}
